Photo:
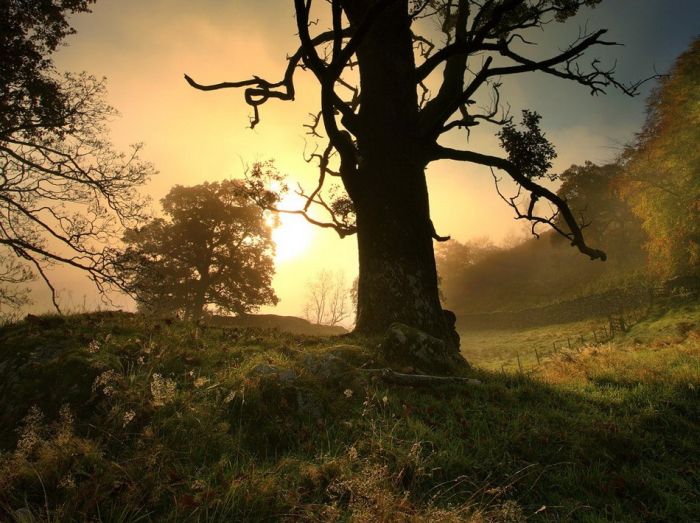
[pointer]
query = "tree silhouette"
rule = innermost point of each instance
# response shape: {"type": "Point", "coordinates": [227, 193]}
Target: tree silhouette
{"type": "Point", "coordinates": [214, 248]}
{"type": "Point", "coordinates": [64, 190]}
{"type": "Point", "coordinates": [385, 128]}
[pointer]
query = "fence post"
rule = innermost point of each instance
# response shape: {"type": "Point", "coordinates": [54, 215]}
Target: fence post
{"type": "Point", "coordinates": [537, 355]}
{"type": "Point", "coordinates": [520, 365]}
{"type": "Point", "coordinates": [554, 344]}
{"type": "Point", "coordinates": [568, 342]}
{"type": "Point", "coordinates": [595, 337]}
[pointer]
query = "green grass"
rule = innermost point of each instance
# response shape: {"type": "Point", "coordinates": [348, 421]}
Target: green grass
{"type": "Point", "coordinates": [493, 348]}
{"type": "Point", "coordinates": [496, 349]}
{"type": "Point", "coordinates": [112, 417]}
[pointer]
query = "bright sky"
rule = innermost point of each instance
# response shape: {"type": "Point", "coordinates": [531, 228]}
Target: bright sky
{"type": "Point", "coordinates": [143, 48]}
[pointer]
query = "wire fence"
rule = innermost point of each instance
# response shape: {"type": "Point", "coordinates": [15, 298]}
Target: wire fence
{"type": "Point", "coordinates": [658, 298]}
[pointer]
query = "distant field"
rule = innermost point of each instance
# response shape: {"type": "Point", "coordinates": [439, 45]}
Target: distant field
{"type": "Point", "coordinates": [492, 348]}
{"type": "Point", "coordinates": [499, 349]}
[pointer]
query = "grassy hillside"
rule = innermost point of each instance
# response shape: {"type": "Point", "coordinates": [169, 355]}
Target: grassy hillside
{"type": "Point", "coordinates": [111, 417]}
{"type": "Point", "coordinates": [494, 349]}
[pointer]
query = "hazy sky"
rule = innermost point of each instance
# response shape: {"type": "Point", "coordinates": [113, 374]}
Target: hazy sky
{"type": "Point", "coordinates": [144, 47]}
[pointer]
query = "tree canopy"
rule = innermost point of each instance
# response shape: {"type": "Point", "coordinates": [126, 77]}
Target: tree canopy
{"type": "Point", "coordinates": [661, 170]}
{"type": "Point", "coordinates": [65, 191]}
{"type": "Point", "coordinates": [213, 248]}
{"type": "Point", "coordinates": [30, 91]}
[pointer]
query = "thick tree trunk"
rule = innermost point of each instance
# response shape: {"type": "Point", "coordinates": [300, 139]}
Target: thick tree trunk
{"type": "Point", "coordinates": [398, 280]}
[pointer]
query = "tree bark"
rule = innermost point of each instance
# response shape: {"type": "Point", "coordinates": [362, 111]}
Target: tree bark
{"type": "Point", "coordinates": [398, 279]}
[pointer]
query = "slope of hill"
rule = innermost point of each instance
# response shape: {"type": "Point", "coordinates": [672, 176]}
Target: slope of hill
{"type": "Point", "coordinates": [112, 417]}
{"type": "Point", "coordinates": [290, 324]}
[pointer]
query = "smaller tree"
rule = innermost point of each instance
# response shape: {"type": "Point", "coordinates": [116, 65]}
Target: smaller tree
{"type": "Point", "coordinates": [327, 299]}
{"type": "Point", "coordinates": [213, 249]}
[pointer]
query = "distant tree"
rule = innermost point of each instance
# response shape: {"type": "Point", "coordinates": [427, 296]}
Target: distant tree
{"type": "Point", "coordinates": [213, 248]}
{"type": "Point", "coordinates": [531, 272]}
{"type": "Point", "coordinates": [384, 123]}
{"type": "Point", "coordinates": [661, 171]}
{"type": "Point", "coordinates": [453, 259]}
{"type": "Point", "coordinates": [65, 192]}
{"type": "Point", "coordinates": [327, 299]}
{"type": "Point", "coordinates": [608, 220]}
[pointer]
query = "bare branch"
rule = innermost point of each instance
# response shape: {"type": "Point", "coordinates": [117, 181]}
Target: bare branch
{"type": "Point", "coordinates": [575, 234]}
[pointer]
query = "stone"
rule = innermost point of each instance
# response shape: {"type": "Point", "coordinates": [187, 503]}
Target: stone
{"type": "Point", "coordinates": [403, 343]}
{"type": "Point", "coordinates": [326, 366]}
{"type": "Point", "coordinates": [284, 376]}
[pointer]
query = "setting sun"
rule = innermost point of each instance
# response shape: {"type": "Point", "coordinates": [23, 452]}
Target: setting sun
{"type": "Point", "coordinates": [294, 234]}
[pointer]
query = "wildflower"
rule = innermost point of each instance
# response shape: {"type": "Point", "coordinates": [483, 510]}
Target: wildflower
{"type": "Point", "coordinates": [106, 381]}
{"type": "Point", "coordinates": [385, 400]}
{"type": "Point", "coordinates": [415, 450]}
{"type": "Point", "coordinates": [348, 393]}
{"type": "Point", "coordinates": [200, 382]}
{"type": "Point", "coordinates": [94, 347]}
{"type": "Point", "coordinates": [352, 453]}
{"type": "Point", "coordinates": [230, 397]}
{"type": "Point", "coordinates": [65, 427]}
{"type": "Point", "coordinates": [30, 435]}
{"type": "Point", "coordinates": [162, 390]}
{"type": "Point", "coordinates": [128, 417]}
{"type": "Point", "coordinates": [67, 482]}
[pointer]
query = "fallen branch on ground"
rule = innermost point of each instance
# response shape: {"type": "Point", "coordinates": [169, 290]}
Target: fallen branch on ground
{"type": "Point", "coordinates": [398, 378]}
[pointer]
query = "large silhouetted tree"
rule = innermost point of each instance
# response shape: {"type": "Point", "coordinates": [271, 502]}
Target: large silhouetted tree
{"type": "Point", "coordinates": [64, 189]}
{"type": "Point", "coordinates": [375, 66]}
{"type": "Point", "coordinates": [213, 248]}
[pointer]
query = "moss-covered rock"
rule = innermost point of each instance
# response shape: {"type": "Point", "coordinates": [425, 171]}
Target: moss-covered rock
{"type": "Point", "coordinates": [409, 346]}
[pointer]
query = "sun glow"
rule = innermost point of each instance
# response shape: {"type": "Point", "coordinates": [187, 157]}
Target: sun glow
{"type": "Point", "coordinates": [293, 234]}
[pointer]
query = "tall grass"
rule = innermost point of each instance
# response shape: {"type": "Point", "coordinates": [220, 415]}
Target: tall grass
{"type": "Point", "coordinates": [114, 417]}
